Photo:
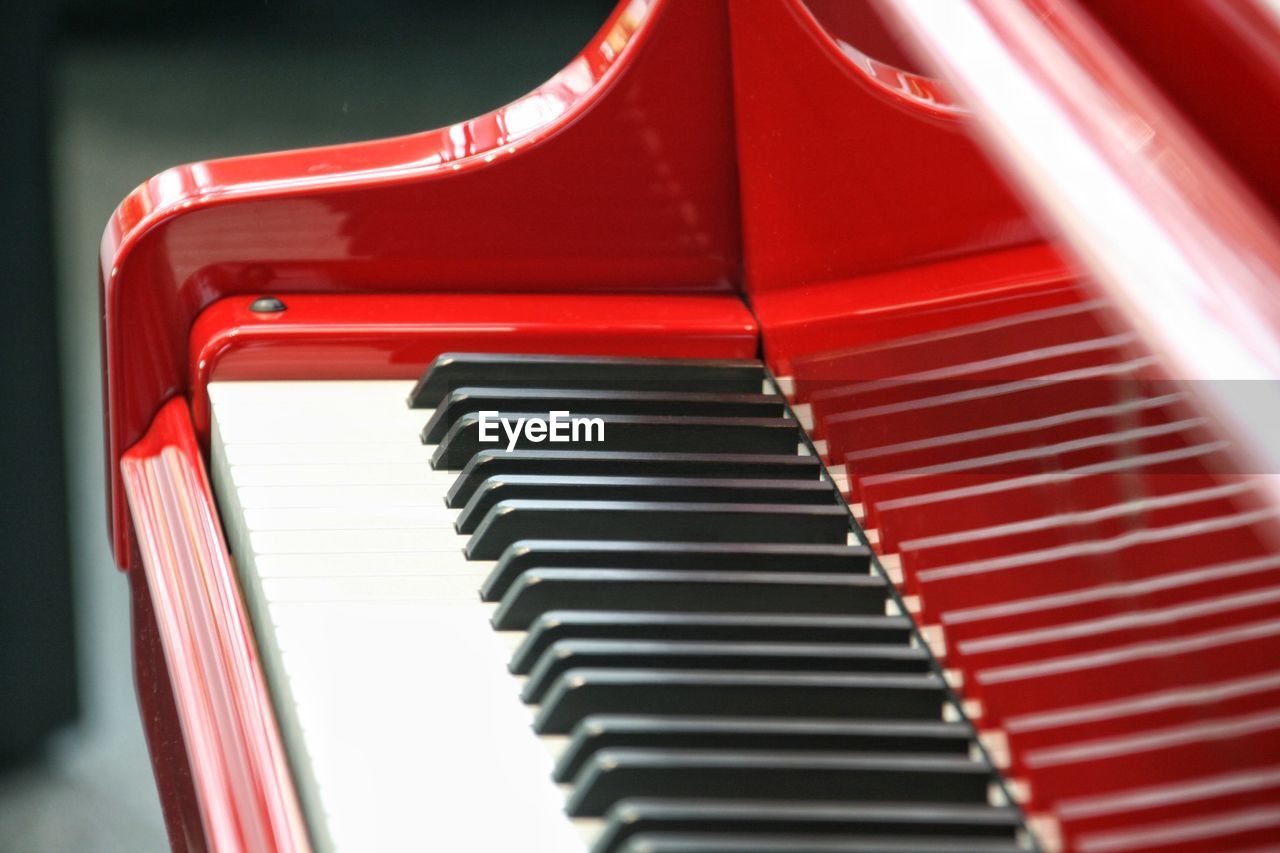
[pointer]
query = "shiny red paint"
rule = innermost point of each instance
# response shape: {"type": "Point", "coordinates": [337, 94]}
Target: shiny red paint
{"type": "Point", "coordinates": [813, 320]}
{"type": "Point", "coordinates": [1009, 526]}
{"type": "Point", "coordinates": [170, 763]}
{"type": "Point", "coordinates": [395, 336]}
{"type": "Point", "coordinates": [1170, 233]}
{"type": "Point", "coordinates": [601, 180]}
{"type": "Point", "coordinates": [235, 761]}
{"type": "Point", "coordinates": [900, 182]}
{"type": "Point", "coordinates": [1218, 63]}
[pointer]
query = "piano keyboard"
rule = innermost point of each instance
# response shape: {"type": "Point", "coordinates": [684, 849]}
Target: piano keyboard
{"type": "Point", "coordinates": [659, 642]}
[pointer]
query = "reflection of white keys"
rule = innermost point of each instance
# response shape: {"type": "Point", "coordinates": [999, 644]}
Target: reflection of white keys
{"type": "Point", "coordinates": [402, 725]}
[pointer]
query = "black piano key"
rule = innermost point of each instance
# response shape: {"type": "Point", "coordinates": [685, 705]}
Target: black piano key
{"type": "Point", "coordinates": [492, 370]}
{"type": "Point", "coordinates": [732, 842]}
{"type": "Point", "coordinates": [683, 489]}
{"type": "Point", "coordinates": [605, 731]}
{"type": "Point", "coordinates": [511, 521]}
{"type": "Point", "coordinates": [568, 655]}
{"type": "Point", "coordinates": [729, 694]}
{"type": "Point", "coordinates": [754, 466]}
{"type": "Point", "coordinates": [955, 824]}
{"type": "Point", "coordinates": [540, 590]}
{"type": "Point", "coordinates": [704, 556]}
{"type": "Point", "coordinates": [624, 433]}
{"type": "Point", "coordinates": [615, 774]}
{"type": "Point", "coordinates": [761, 628]}
{"type": "Point", "coordinates": [463, 401]}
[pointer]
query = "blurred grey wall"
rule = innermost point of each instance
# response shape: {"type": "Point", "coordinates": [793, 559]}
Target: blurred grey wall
{"type": "Point", "coordinates": [109, 93]}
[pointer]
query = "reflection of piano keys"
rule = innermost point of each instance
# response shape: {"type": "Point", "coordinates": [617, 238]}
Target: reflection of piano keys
{"type": "Point", "coordinates": [1085, 538]}
{"type": "Point", "coordinates": [1071, 539]}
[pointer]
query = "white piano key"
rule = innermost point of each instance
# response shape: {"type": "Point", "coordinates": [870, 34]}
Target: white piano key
{"type": "Point", "coordinates": [332, 495]}
{"type": "Point", "coordinates": [333, 395]}
{"type": "Point", "coordinates": [307, 428]}
{"type": "Point", "coordinates": [357, 565]}
{"type": "Point", "coordinates": [436, 588]}
{"type": "Point", "coordinates": [342, 475]}
{"type": "Point", "coordinates": [442, 540]}
{"type": "Point", "coordinates": [406, 730]}
{"type": "Point", "coordinates": [369, 517]}
{"type": "Point", "coordinates": [326, 453]}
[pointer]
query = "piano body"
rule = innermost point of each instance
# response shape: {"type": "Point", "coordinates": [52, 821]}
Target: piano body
{"type": "Point", "coordinates": [1008, 269]}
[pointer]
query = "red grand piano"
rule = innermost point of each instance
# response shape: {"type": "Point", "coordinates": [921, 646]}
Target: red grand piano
{"type": "Point", "coordinates": [933, 348]}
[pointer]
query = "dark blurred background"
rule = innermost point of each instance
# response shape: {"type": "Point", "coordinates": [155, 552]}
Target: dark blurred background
{"type": "Point", "coordinates": [103, 94]}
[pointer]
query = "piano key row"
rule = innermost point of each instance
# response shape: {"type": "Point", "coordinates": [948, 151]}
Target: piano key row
{"type": "Point", "coordinates": [689, 654]}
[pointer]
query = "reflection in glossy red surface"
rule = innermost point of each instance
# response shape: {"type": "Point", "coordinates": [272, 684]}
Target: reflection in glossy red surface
{"type": "Point", "coordinates": [899, 182]}
{"type": "Point", "coordinates": [1171, 234]}
{"type": "Point", "coordinates": [396, 336]}
{"type": "Point", "coordinates": [818, 318]}
{"type": "Point", "coordinates": [601, 180]}
{"type": "Point", "coordinates": [860, 25]}
{"type": "Point", "coordinates": [1072, 537]}
{"type": "Point", "coordinates": [1058, 538]}
{"type": "Point", "coordinates": [166, 744]}
{"type": "Point", "coordinates": [1219, 63]}
{"type": "Point", "coordinates": [237, 767]}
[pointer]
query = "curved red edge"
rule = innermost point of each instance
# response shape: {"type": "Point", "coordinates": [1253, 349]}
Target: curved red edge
{"type": "Point", "coordinates": [597, 181]}
{"type": "Point", "coordinates": [352, 336]}
{"type": "Point", "coordinates": [928, 98]}
{"type": "Point", "coordinates": [243, 789]}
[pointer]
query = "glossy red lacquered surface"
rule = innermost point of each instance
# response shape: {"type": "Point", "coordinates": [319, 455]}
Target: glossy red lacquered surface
{"type": "Point", "coordinates": [1218, 63]}
{"type": "Point", "coordinates": [1069, 525]}
{"type": "Point", "coordinates": [235, 762]}
{"type": "Point", "coordinates": [601, 180]}
{"type": "Point", "coordinates": [847, 167]}
{"type": "Point", "coordinates": [1072, 534]}
{"type": "Point", "coordinates": [817, 322]}
{"type": "Point", "coordinates": [396, 336]}
{"type": "Point", "coordinates": [1165, 226]}
{"type": "Point", "coordinates": [170, 763]}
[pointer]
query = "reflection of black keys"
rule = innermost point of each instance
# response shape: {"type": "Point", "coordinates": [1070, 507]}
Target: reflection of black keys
{"type": "Point", "coordinates": [705, 556]}
{"type": "Point", "coordinates": [495, 370]}
{"type": "Point", "coordinates": [683, 489]}
{"type": "Point", "coordinates": [963, 825]}
{"type": "Point", "coordinates": [511, 521]}
{"type": "Point", "coordinates": [463, 401]}
{"type": "Point", "coordinates": [493, 463]}
{"type": "Point", "coordinates": [729, 694]}
{"type": "Point", "coordinates": [733, 842]}
{"type": "Point", "coordinates": [566, 655]}
{"type": "Point", "coordinates": [744, 627]}
{"type": "Point", "coordinates": [540, 590]}
{"type": "Point", "coordinates": [629, 433]}
{"type": "Point", "coordinates": [615, 774]}
{"type": "Point", "coordinates": [607, 731]}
